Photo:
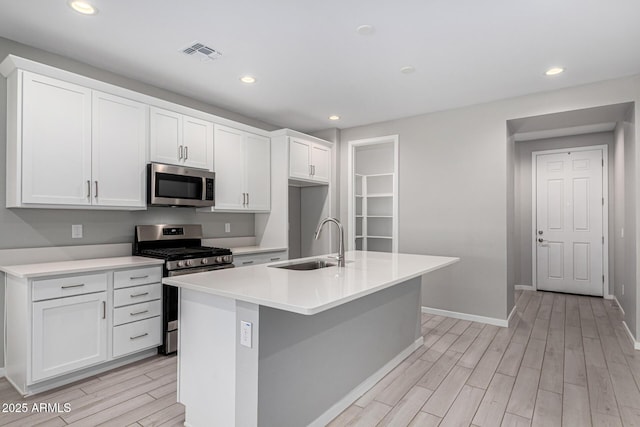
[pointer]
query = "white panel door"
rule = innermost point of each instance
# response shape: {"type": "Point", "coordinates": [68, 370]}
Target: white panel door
{"type": "Point", "coordinates": [258, 172]}
{"type": "Point", "coordinates": [320, 161]}
{"type": "Point", "coordinates": [569, 228]}
{"type": "Point", "coordinates": [56, 141]}
{"type": "Point", "coordinates": [229, 167]}
{"type": "Point", "coordinates": [165, 131]}
{"type": "Point", "coordinates": [118, 151]}
{"type": "Point", "coordinates": [299, 159]}
{"type": "Point", "coordinates": [68, 334]}
{"type": "Point", "coordinates": [197, 138]}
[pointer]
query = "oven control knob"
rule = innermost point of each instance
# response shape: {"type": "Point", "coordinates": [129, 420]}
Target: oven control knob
{"type": "Point", "coordinates": [189, 263]}
{"type": "Point", "coordinates": [219, 260]}
{"type": "Point", "coordinates": [228, 258]}
{"type": "Point", "coordinates": [180, 263]}
{"type": "Point", "coordinates": [204, 261]}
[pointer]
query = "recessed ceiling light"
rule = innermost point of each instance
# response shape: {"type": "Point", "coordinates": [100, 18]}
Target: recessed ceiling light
{"type": "Point", "coordinates": [334, 117]}
{"type": "Point", "coordinates": [248, 79]}
{"type": "Point", "coordinates": [365, 30]}
{"type": "Point", "coordinates": [407, 70]}
{"type": "Point", "coordinates": [554, 70]}
{"type": "Point", "coordinates": [83, 7]}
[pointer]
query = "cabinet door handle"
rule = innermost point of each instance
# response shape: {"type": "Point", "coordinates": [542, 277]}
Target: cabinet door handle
{"type": "Point", "coordinates": [186, 152]}
{"type": "Point", "coordinates": [96, 195]}
{"type": "Point", "coordinates": [179, 152]}
{"type": "Point", "coordinates": [104, 309]}
{"type": "Point", "coordinates": [247, 199]}
{"type": "Point", "coordinates": [247, 262]}
{"type": "Point", "coordinates": [139, 336]}
{"type": "Point", "coordinates": [79, 285]}
{"type": "Point", "coordinates": [275, 259]}
{"type": "Point", "coordinates": [310, 170]}
{"type": "Point", "coordinates": [137, 313]}
{"type": "Point", "coordinates": [138, 277]}
{"type": "Point", "coordinates": [88, 189]}
{"type": "Point", "coordinates": [139, 295]}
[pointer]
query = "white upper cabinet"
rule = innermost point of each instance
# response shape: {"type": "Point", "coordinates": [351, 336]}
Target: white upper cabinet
{"type": "Point", "coordinates": [242, 163]}
{"type": "Point", "coordinates": [56, 142]}
{"type": "Point", "coordinates": [119, 129]}
{"type": "Point", "coordinates": [72, 146]}
{"type": "Point", "coordinates": [179, 139]}
{"type": "Point", "coordinates": [309, 161]}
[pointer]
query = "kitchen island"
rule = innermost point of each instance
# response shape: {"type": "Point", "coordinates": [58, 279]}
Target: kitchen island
{"type": "Point", "coordinates": [271, 346]}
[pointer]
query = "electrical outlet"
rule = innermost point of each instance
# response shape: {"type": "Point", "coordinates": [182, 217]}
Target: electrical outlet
{"type": "Point", "coordinates": [622, 289]}
{"type": "Point", "coordinates": [245, 333]}
{"type": "Point", "coordinates": [76, 231]}
{"type": "Point", "coordinates": [622, 233]}
{"type": "Point", "coordinates": [227, 227]}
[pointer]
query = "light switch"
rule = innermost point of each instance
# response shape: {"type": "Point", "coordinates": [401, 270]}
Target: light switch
{"type": "Point", "coordinates": [227, 227]}
{"type": "Point", "coordinates": [76, 231]}
{"type": "Point", "coordinates": [245, 333]}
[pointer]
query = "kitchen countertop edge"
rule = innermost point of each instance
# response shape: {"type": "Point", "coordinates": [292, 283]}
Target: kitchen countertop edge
{"type": "Point", "coordinates": [29, 271]}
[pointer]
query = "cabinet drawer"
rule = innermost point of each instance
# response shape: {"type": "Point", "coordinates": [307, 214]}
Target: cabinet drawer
{"type": "Point", "coordinates": [68, 286]}
{"type": "Point", "coordinates": [132, 313]}
{"type": "Point", "coordinates": [136, 336]}
{"type": "Point", "coordinates": [259, 258]}
{"type": "Point", "coordinates": [138, 276]}
{"type": "Point", "coordinates": [137, 294]}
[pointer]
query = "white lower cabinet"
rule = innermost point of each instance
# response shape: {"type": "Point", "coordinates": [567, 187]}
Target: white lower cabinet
{"type": "Point", "coordinates": [60, 328]}
{"type": "Point", "coordinates": [259, 258]}
{"type": "Point", "coordinates": [136, 336]}
{"type": "Point", "coordinates": [68, 334]}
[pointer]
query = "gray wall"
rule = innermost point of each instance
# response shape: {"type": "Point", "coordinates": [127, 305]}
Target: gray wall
{"type": "Point", "coordinates": [455, 190]}
{"type": "Point", "coordinates": [294, 222]}
{"type": "Point", "coordinates": [523, 187]}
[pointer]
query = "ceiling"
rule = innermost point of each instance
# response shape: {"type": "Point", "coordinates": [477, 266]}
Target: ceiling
{"type": "Point", "coordinates": [310, 62]}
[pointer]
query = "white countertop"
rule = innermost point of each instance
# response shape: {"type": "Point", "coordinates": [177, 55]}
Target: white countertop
{"type": "Point", "coordinates": [78, 266]}
{"type": "Point", "coordinates": [314, 291]}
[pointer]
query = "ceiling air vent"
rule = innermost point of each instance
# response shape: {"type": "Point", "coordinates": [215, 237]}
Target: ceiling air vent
{"type": "Point", "coordinates": [205, 53]}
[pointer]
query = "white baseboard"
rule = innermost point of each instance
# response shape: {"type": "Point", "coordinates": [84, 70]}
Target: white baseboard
{"type": "Point", "coordinates": [363, 387]}
{"type": "Point", "coordinates": [524, 288]}
{"type": "Point", "coordinates": [510, 318]}
{"type": "Point", "coordinates": [472, 317]}
{"type": "Point", "coordinates": [636, 344]}
{"type": "Point", "coordinates": [614, 298]}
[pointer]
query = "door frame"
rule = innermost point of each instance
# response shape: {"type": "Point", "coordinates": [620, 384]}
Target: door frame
{"type": "Point", "coordinates": [351, 158]}
{"type": "Point", "coordinates": [605, 210]}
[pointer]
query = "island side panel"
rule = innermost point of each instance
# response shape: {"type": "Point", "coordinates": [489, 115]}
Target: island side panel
{"type": "Point", "coordinates": [207, 359]}
{"type": "Point", "coordinates": [307, 364]}
{"type": "Point", "coordinates": [247, 366]}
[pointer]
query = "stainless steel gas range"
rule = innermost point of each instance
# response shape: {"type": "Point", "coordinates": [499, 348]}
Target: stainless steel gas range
{"type": "Point", "coordinates": [181, 248]}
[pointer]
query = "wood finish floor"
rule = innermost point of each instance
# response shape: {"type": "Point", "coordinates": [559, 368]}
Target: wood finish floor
{"type": "Point", "coordinates": [566, 361]}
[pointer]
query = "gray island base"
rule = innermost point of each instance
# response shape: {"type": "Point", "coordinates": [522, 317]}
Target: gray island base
{"type": "Point", "coordinates": [342, 331]}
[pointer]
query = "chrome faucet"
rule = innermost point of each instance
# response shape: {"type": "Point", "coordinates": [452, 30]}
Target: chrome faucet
{"type": "Point", "coordinates": [341, 242]}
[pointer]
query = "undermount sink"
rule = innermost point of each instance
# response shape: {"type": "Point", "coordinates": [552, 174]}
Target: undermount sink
{"type": "Point", "coordinates": [313, 264]}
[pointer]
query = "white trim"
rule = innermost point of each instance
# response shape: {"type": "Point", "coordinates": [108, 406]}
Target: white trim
{"type": "Point", "coordinates": [510, 320]}
{"type": "Point", "coordinates": [613, 297]}
{"type": "Point", "coordinates": [524, 288]}
{"type": "Point", "coordinates": [634, 343]}
{"type": "Point", "coordinates": [364, 386]}
{"type": "Point", "coordinates": [605, 210]}
{"type": "Point", "coordinates": [472, 317]}
{"type": "Point", "coordinates": [350, 173]}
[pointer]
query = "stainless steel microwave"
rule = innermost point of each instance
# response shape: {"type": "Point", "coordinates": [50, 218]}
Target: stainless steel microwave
{"type": "Point", "coordinates": [169, 185]}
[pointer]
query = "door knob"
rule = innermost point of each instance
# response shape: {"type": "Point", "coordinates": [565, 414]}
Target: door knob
{"type": "Point", "coordinates": [540, 240]}
{"type": "Point", "coordinates": [540, 232]}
